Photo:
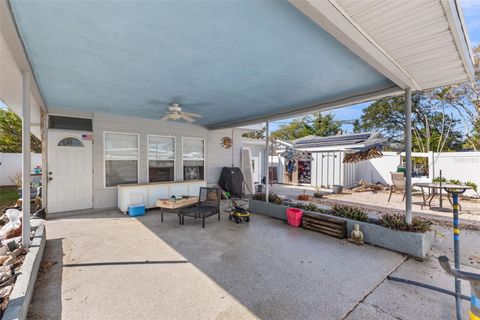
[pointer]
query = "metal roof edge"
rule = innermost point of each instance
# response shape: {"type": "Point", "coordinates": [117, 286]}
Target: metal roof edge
{"type": "Point", "coordinates": [453, 12]}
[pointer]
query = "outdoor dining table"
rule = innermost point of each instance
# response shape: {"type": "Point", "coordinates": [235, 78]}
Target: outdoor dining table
{"type": "Point", "coordinates": [436, 189]}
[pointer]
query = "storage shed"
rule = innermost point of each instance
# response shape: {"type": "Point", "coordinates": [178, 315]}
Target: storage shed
{"type": "Point", "coordinates": [327, 166]}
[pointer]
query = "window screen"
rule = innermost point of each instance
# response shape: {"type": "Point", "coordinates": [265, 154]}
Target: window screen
{"type": "Point", "coordinates": [193, 149]}
{"type": "Point", "coordinates": [121, 158]}
{"type": "Point", "coordinates": [193, 159]}
{"type": "Point", "coordinates": [69, 123]}
{"type": "Point", "coordinates": [161, 158]}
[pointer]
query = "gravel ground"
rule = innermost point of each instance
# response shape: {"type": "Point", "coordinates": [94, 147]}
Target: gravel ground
{"type": "Point", "coordinates": [377, 201]}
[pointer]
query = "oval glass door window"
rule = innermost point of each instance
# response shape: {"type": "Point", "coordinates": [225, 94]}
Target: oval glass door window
{"type": "Point", "coordinates": [70, 142]}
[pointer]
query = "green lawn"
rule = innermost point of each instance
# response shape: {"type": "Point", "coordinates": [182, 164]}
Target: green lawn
{"type": "Point", "coordinates": [8, 196]}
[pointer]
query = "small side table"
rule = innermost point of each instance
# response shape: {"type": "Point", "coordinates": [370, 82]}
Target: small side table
{"type": "Point", "coordinates": [175, 206]}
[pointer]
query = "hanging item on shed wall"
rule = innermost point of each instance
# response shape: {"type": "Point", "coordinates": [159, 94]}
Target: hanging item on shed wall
{"type": "Point", "coordinates": [226, 142]}
{"type": "Point", "coordinates": [363, 154]}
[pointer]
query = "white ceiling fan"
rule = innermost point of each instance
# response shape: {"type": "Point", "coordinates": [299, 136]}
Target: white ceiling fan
{"type": "Point", "coordinates": [175, 112]}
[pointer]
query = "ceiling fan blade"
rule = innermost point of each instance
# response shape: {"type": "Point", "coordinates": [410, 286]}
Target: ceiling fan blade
{"type": "Point", "coordinates": [165, 117]}
{"type": "Point", "coordinates": [187, 117]}
{"type": "Point", "coordinates": [192, 114]}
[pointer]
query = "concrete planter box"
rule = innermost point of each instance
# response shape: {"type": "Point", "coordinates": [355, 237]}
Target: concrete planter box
{"type": "Point", "coordinates": [412, 243]}
{"type": "Point", "coordinates": [268, 209]}
{"type": "Point", "coordinates": [22, 292]}
{"type": "Point", "coordinates": [415, 244]}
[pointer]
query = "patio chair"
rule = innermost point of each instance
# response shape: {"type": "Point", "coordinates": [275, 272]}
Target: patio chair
{"type": "Point", "coordinates": [398, 184]}
{"type": "Point", "coordinates": [208, 205]}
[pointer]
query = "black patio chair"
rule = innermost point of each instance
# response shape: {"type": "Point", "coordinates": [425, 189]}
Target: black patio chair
{"type": "Point", "coordinates": [208, 205]}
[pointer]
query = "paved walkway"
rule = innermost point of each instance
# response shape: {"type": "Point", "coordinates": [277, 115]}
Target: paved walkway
{"type": "Point", "coordinates": [109, 266]}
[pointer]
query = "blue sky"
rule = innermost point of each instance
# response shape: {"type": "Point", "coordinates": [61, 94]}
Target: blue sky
{"type": "Point", "coordinates": [471, 13]}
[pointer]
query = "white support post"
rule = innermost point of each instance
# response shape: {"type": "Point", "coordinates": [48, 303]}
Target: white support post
{"type": "Point", "coordinates": [408, 155]}
{"type": "Point", "coordinates": [26, 166]}
{"type": "Point", "coordinates": [267, 162]}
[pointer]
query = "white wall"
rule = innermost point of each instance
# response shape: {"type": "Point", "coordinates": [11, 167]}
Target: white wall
{"type": "Point", "coordinates": [11, 166]}
{"type": "Point", "coordinates": [258, 153]}
{"type": "Point", "coordinates": [463, 166]}
{"type": "Point", "coordinates": [378, 170]}
{"type": "Point", "coordinates": [216, 156]}
{"type": "Point", "coordinates": [219, 157]}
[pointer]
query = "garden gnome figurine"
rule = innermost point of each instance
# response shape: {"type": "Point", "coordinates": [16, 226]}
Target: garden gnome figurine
{"type": "Point", "coordinates": [357, 235]}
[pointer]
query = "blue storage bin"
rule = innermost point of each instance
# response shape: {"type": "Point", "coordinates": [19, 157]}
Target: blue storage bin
{"type": "Point", "coordinates": [136, 210]}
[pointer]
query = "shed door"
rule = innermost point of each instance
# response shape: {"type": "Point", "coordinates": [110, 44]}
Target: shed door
{"type": "Point", "coordinates": [69, 170]}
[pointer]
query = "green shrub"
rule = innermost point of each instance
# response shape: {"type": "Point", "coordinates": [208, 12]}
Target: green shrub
{"type": "Point", "coordinates": [348, 212]}
{"type": "Point", "coordinates": [473, 185]}
{"type": "Point", "coordinates": [396, 221]}
{"type": "Point", "coordinates": [299, 205]}
{"type": "Point", "coordinates": [438, 179]}
{"type": "Point", "coordinates": [306, 206]}
{"type": "Point", "coordinates": [272, 198]}
{"type": "Point", "coordinates": [454, 181]}
{"type": "Point", "coordinates": [311, 207]}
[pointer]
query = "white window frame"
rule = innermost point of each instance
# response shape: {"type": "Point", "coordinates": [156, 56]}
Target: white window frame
{"type": "Point", "coordinates": [204, 157]}
{"type": "Point", "coordinates": [105, 162]}
{"type": "Point", "coordinates": [174, 155]}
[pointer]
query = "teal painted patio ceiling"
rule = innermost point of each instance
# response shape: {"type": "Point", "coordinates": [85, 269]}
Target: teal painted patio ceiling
{"type": "Point", "coordinates": [230, 61]}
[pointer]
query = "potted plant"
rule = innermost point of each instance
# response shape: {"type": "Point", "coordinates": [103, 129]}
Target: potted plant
{"type": "Point", "coordinates": [337, 189]}
{"type": "Point", "coordinates": [318, 193]}
{"type": "Point", "coordinates": [304, 196]}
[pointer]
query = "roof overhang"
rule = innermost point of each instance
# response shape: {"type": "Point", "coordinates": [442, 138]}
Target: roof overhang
{"type": "Point", "coordinates": [13, 62]}
{"type": "Point", "coordinates": [237, 63]}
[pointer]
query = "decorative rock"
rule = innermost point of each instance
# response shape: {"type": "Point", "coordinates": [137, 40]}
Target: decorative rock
{"type": "Point", "coordinates": [8, 262]}
{"type": "Point", "coordinates": [3, 250]}
{"type": "Point", "coordinates": [12, 245]}
{"type": "Point", "coordinates": [3, 259]}
{"type": "Point", "coordinates": [15, 232]}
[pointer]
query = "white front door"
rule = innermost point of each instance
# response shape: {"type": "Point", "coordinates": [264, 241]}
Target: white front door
{"type": "Point", "coordinates": [69, 170]}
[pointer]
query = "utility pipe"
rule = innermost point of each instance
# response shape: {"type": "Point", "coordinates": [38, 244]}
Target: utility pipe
{"type": "Point", "coordinates": [408, 155]}
{"type": "Point", "coordinates": [26, 166]}
{"type": "Point", "coordinates": [267, 158]}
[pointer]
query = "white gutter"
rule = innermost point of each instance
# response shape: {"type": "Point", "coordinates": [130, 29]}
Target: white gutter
{"type": "Point", "coordinates": [453, 12]}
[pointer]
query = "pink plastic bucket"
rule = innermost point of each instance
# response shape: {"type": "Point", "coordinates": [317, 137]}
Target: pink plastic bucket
{"type": "Point", "coordinates": [294, 217]}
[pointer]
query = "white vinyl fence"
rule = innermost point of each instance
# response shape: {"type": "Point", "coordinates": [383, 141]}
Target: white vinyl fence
{"type": "Point", "coordinates": [463, 166]}
{"type": "Point", "coordinates": [11, 166]}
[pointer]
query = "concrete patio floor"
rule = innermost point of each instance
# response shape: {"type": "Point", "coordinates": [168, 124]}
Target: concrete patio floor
{"type": "Point", "coordinates": [110, 266]}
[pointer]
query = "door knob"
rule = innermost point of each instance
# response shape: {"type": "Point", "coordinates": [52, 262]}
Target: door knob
{"type": "Point", "coordinates": [50, 179]}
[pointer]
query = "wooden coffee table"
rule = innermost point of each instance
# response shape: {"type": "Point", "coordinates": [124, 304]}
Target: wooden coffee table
{"type": "Point", "coordinates": [175, 206]}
